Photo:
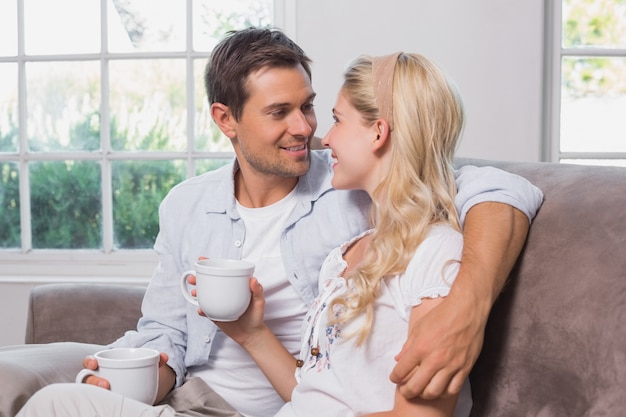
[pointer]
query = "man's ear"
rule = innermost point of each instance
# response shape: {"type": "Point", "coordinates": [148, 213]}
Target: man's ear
{"type": "Point", "coordinates": [224, 119]}
{"type": "Point", "coordinates": [381, 131]}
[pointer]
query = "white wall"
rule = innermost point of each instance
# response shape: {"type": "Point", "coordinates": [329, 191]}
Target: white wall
{"type": "Point", "coordinates": [13, 309]}
{"type": "Point", "coordinates": [491, 48]}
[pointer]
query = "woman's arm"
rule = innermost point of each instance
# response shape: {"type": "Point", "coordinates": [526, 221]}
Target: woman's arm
{"type": "Point", "coordinates": [443, 346]}
{"type": "Point", "coordinates": [257, 339]}
{"type": "Point", "coordinates": [439, 407]}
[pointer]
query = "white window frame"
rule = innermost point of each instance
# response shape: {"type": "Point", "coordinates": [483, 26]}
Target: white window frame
{"type": "Point", "coordinates": [107, 264]}
{"type": "Point", "coordinates": [554, 53]}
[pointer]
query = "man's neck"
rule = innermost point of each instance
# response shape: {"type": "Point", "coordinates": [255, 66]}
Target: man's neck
{"type": "Point", "coordinates": [254, 190]}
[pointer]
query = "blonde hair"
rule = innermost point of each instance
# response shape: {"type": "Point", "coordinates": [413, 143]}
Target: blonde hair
{"type": "Point", "coordinates": [419, 188]}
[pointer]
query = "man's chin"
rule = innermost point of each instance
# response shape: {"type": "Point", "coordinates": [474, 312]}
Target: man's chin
{"type": "Point", "coordinates": [298, 169]}
{"type": "Point", "coordinates": [302, 171]}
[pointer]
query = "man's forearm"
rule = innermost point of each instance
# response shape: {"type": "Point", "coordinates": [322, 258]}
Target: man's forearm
{"type": "Point", "coordinates": [494, 234]}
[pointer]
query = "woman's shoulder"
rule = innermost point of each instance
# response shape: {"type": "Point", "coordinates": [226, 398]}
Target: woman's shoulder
{"type": "Point", "coordinates": [442, 244]}
{"type": "Point", "coordinates": [442, 234]}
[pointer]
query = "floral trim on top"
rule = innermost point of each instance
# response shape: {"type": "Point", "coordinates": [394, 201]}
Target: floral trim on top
{"type": "Point", "coordinates": [314, 357]}
{"type": "Point", "coordinates": [332, 285]}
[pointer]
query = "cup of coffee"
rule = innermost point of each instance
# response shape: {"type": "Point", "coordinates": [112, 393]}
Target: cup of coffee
{"type": "Point", "coordinates": [131, 372]}
{"type": "Point", "coordinates": [222, 287]}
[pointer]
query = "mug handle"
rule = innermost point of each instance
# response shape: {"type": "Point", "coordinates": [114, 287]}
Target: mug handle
{"type": "Point", "coordinates": [185, 290]}
{"type": "Point", "coordinates": [84, 373]}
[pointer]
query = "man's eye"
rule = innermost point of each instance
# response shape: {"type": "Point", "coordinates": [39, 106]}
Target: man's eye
{"type": "Point", "coordinates": [279, 113]}
{"type": "Point", "coordinates": [308, 107]}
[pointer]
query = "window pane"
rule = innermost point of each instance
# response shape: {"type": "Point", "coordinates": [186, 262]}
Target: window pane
{"type": "Point", "coordinates": [148, 105]}
{"type": "Point", "coordinates": [61, 26]}
{"type": "Point", "coordinates": [55, 137]}
{"type": "Point", "coordinates": [63, 106]}
{"type": "Point", "coordinates": [66, 205]}
{"type": "Point", "coordinates": [208, 137]}
{"type": "Point", "coordinates": [213, 18]}
{"type": "Point", "coordinates": [146, 25]}
{"type": "Point", "coordinates": [593, 105]}
{"type": "Point", "coordinates": [209, 164]}
{"type": "Point", "coordinates": [9, 205]}
{"type": "Point", "coordinates": [8, 28]}
{"type": "Point", "coordinates": [8, 108]}
{"type": "Point", "coordinates": [594, 23]}
{"type": "Point", "coordinates": [138, 188]}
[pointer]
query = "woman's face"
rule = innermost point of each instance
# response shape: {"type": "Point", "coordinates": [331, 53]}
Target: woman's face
{"type": "Point", "coordinates": [350, 140]}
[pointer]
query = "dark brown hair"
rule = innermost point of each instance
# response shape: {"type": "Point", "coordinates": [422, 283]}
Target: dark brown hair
{"type": "Point", "coordinates": [241, 53]}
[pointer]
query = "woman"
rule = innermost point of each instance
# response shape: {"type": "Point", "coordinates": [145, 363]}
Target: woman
{"type": "Point", "coordinates": [397, 123]}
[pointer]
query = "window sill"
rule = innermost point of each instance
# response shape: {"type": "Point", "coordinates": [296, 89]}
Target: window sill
{"type": "Point", "coordinates": [135, 267]}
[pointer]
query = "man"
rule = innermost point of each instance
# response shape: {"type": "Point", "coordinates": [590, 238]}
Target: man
{"type": "Point", "coordinates": [275, 206]}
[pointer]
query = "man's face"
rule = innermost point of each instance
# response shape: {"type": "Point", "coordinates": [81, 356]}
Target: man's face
{"type": "Point", "coordinates": [277, 124]}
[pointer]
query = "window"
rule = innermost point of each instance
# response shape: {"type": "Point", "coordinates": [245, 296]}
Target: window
{"type": "Point", "coordinates": [588, 76]}
{"type": "Point", "coordinates": [102, 111]}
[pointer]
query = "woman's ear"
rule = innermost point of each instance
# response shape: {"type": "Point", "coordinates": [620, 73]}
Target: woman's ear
{"type": "Point", "coordinates": [224, 119]}
{"type": "Point", "coordinates": [381, 130]}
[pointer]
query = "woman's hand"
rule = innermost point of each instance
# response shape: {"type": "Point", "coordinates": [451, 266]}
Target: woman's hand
{"type": "Point", "coordinates": [251, 321]}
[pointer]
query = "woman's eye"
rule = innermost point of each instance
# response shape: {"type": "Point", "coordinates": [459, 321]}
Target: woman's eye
{"type": "Point", "coordinates": [335, 119]}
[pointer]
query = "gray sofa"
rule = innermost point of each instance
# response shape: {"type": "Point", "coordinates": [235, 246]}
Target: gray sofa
{"type": "Point", "coordinates": [555, 342]}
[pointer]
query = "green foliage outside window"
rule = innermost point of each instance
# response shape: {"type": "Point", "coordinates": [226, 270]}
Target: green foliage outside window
{"type": "Point", "coordinates": [597, 23]}
{"type": "Point", "coordinates": [9, 187]}
{"type": "Point", "coordinates": [66, 205]}
{"type": "Point", "coordinates": [9, 205]}
{"type": "Point", "coordinates": [138, 188]}
{"type": "Point", "coordinates": [66, 196]}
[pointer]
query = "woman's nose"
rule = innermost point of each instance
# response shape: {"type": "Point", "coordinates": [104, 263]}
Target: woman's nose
{"type": "Point", "coordinates": [325, 141]}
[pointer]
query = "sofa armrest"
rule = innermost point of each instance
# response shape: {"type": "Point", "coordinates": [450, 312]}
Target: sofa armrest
{"type": "Point", "coordinates": [66, 322]}
{"type": "Point", "coordinates": [86, 313]}
{"type": "Point", "coordinates": [24, 369]}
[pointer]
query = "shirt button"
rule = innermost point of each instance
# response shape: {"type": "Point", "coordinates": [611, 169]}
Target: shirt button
{"type": "Point", "coordinates": [238, 243]}
{"type": "Point", "coordinates": [207, 339]}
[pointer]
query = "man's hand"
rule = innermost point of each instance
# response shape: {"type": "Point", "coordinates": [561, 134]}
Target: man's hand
{"type": "Point", "coordinates": [90, 362]}
{"type": "Point", "coordinates": [444, 345]}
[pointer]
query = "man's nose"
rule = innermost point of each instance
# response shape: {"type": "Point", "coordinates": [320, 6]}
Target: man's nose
{"type": "Point", "coordinates": [300, 125]}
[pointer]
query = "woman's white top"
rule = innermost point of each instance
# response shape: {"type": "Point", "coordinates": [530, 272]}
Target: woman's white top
{"type": "Point", "coordinates": [340, 379]}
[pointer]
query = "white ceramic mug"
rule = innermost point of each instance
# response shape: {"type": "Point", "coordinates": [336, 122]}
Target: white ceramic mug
{"type": "Point", "coordinates": [222, 287]}
{"type": "Point", "coordinates": [131, 372]}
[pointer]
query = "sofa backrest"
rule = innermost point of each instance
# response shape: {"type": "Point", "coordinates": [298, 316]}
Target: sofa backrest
{"type": "Point", "coordinates": [555, 344]}
{"type": "Point", "coordinates": [86, 313]}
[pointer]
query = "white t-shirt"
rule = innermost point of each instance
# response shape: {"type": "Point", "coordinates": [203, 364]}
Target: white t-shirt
{"type": "Point", "coordinates": [344, 380]}
{"type": "Point", "coordinates": [230, 370]}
